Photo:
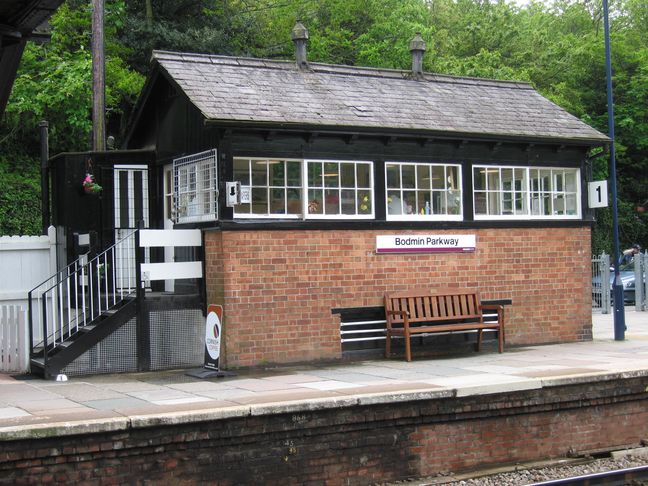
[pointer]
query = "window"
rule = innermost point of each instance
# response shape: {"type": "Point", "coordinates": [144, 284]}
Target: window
{"type": "Point", "coordinates": [526, 192]}
{"type": "Point", "coordinates": [195, 189]}
{"type": "Point", "coordinates": [423, 191]}
{"type": "Point", "coordinates": [333, 189]}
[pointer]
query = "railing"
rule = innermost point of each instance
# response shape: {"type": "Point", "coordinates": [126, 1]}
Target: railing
{"type": "Point", "coordinates": [601, 292]}
{"type": "Point", "coordinates": [81, 292]}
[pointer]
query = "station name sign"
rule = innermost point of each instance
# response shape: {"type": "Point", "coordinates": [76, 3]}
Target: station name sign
{"type": "Point", "coordinates": [425, 243]}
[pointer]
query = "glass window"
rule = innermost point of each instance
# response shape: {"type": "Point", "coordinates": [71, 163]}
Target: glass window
{"type": "Point", "coordinates": [333, 189]}
{"type": "Point", "coordinates": [528, 192]}
{"type": "Point", "coordinates": [423, 191]}
{"type": "Point", "coordinates": [339, 189]}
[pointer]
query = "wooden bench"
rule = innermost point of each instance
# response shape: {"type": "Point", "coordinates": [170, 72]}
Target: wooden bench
{"type": "Point", "coordinates": [423, 311]}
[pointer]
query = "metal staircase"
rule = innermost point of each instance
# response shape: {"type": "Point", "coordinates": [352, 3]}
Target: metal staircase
{"type": "Point", "coordinates": [82, 304]}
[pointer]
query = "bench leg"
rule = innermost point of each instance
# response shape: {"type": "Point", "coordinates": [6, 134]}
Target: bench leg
{"type": "Point", "coordinates": [408, 346]}
{"type": "Point", "coordinates": [479, 339]}
{"type": "Point", "coordinates": [500, 336]}
{"type": "Point", "coordinates": [388, 344]}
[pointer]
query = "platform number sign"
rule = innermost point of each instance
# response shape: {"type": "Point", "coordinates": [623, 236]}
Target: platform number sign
{"type": "Point", "coordinates": [598, 194]}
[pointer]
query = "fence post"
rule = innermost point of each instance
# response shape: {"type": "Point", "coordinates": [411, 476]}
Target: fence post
{"type": "Point", "coordinates": [641, 286]}
{"type": "Point", "coordinates": [143, 332]}
{"type": "Point", "coordinates": [604, 272]}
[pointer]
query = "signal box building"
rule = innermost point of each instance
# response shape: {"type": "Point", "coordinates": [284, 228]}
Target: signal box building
{"type": "Point", "coordinates": [319, 187]}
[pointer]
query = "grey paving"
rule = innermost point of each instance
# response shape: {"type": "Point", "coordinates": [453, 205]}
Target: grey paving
{"type": "Point", "coordinates": [113, 402]}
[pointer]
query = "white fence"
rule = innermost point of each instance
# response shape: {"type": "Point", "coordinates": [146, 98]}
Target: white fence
{"type": "Point", "coordinates": [14, 339]}
{"type": "Point", "coordinates": [25, 261]}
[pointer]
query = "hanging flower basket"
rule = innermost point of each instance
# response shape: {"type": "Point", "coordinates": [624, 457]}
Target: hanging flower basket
{"type": "Point", "coordinates": [90, 186]}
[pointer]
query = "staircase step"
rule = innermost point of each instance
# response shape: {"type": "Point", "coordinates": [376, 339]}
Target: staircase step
{"type": "Point", "coordinates": [87, 328]}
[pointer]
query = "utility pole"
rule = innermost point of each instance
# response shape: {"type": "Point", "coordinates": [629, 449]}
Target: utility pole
{"type": "Point", "coordinates": [617, 286]}
{"type": "Point", "coordinates": [98, 78]}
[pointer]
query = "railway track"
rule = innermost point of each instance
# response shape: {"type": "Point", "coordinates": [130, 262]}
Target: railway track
{"type": "Point", "coordinates": [633, 476]}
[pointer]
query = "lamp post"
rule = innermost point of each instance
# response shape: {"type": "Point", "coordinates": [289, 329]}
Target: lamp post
{"type": "Point", "coordinates": [617, 287]}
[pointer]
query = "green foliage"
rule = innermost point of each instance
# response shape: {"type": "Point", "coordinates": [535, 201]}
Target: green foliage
{"type": "Point", "coordinates": [556, 47]}
{"type": "Point", "coordinates": [19, 197]}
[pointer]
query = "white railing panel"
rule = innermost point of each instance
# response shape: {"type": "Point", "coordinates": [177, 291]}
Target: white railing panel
{"type": "Point", "coordinates": [169, 238]}
{"type": "Point", "coordinates": [171, 270]}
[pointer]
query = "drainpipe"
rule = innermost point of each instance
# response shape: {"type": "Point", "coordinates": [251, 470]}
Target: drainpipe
{"type": "Point", "coordinates": [44, 157]}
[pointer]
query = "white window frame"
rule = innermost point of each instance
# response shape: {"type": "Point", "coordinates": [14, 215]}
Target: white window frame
{"type": "Point", "coordinates": [416, 216]}
{"type": "Point", "coordinates": [304, 188]}
{"type": "Point", "coordinates": [268, 187]}
{"type": "Point", "coordinates": [357, 190]}
{"type": "Point", "coordinates": [527, 192]}
{"type": "Point", "coordinates": [206, 190]}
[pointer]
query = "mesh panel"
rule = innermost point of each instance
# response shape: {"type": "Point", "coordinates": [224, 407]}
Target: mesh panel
{"type": "Point", "coordinates": [177, 338]}
{"type": "Point", "coordinates": [115, 354]}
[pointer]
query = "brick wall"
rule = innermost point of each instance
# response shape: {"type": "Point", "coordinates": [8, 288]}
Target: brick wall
{"type": "Point", "coordinates": [278, 287]}
{"type": "Point", "coordinates": [344, 445]}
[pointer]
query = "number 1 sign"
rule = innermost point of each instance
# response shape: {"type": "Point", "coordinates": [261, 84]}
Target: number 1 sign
{"type": "Point", "coordinates": [598, 194]}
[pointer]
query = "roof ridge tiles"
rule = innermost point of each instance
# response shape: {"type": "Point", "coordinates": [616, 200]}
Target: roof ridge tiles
{"type": "Point", "coordinates": [317, 67]}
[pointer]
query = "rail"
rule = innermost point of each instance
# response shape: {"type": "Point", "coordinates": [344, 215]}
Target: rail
{"type": "Point", "coordinates": [81, 292]}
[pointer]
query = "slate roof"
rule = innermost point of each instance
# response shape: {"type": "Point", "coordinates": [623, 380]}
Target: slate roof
{"type": "Point", "coordinates": [257, 91]}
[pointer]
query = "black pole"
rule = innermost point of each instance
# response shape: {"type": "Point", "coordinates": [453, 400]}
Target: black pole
{"type": "Point", "coordinates": [44, 158]}
{"type": "Point", "coordinates": [617, 287]}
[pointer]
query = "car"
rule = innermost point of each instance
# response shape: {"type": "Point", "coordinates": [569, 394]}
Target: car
{"type": "Point", "coordinates": [627, 274]}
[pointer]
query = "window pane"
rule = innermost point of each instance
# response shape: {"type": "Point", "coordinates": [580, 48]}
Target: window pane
{"type": "Point", "coordinates": [293, 174]}
{"type": "Point", "coordinates": [409, 202]}
{"type": "Point", "coordinates": [242, 171]}
{"type": "Point", "coordinates": [259, 173]}
{"type": "Point", "coordinates": [276, 173]}
{"type": "Point", "coordinates": [331, 174]}
{"type": "Point", "coordinates": [393, 176]}
{"type": "Point", "coordinates": [453, 177]}
{"type": "Point", "coordinates": [394, 203]}
{"type": "Point", "coordinates": [480, 178]}
{"type": "Point", "coordinates": [259, 200]}
{"type": "Point", "coordinates": [480, 203]}
{"type": "Point", "coordinates": [331, 201]}
{"type": "Point", "coordinates": [315, 174]}
{"type": "Point", "coordinates": [315, 201]}
{"type": "Point", "coordinates": [438, 177]}
{"type": "Point", "coordinates": [409, 178]}
{"type": "Point", "coordinates": [364, 202]}
{"type": "Point", "coordinates": [348, 201]}
{"type": "Point", "coordinates": [294, 205]}
{"type": "Point", "coordinates": [347, 172]}
{"type": "Point", "coordinates": [423, 176]}
{"type": "Point", "coordinates": [423, 205]}
{"type": "Point", "coordinates": [278, 201]}
{"type": "Point", "coordinates": [363, 172]}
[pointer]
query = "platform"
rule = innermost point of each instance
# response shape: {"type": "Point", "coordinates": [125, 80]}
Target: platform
{"type": "Point", "coordinates": [572, 375]}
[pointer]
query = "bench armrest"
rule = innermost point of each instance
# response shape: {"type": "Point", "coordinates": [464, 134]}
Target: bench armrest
{"type": "Point", "coordinates": [398, 313]}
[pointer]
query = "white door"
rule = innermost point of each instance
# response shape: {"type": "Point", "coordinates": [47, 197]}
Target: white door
{"type": "Point", "coordinates": [131, 207]}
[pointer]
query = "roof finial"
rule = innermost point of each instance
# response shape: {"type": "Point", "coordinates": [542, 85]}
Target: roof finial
{"type": "Point", "coordinates": [417, 48]}
{"type": "Point", "coordinates": [299, 37]}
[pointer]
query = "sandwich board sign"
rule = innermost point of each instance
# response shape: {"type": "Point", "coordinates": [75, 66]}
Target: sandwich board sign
{"type": "Point", "coordinates": [213, 328]}
{"type": "Point", "coordinates": [213, 335]}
